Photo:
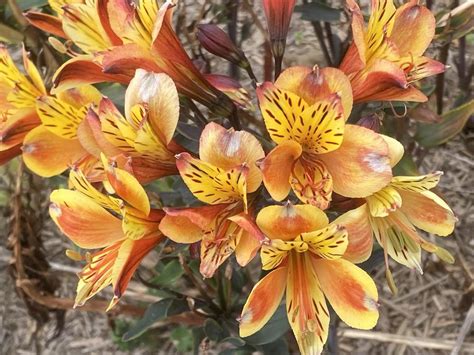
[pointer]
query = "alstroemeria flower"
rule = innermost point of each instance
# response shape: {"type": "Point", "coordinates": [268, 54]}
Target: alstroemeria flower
{"type": "Point", "coordinates": [387, 57]}
{"type": "Point", "coordinates": [222, 177]}
{"type": "Point", "coordinates": [125, 230]}
{"type": "Point", "coordinates": [305, 253]}
{"type": "Point", "coordinates": [317, 153]}
{"type": "Point", "coordinates": [392, 215]}
{"type": "Point", "coordinates": [18, 94]}
{"type": "Point", "coordinates": [55, 145]}
{"type": "Point", "coordinates": [145, 134]}
{"type": "Point", "coordinates": [129, 37]}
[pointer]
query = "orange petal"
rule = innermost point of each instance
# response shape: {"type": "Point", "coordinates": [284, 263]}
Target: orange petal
{"type": "Point", "coordinates": [9, 154]}
{"type": "Point", "coordinates": [227, 149]}
{"type": "Point", "coordinates": [85, 222]}
{"type": "Point", "coordinates": [262, 302]}
{"type": "Point", "coordinates": [428, 212]}
{"type": "Point", "coordinates": [306, 305]}
{"type": "Point", "coordinates": [246, 249]}
{"type": "Point", "coordinates": [412, 18]}
{"type": "Point", "coordinates": [46, 23]}
{"type": "Point", "coordinates": [159, 94]}
{"type": "Point", "coordinates": [187, 225]}
{"type": "Point", "coordinates": [47, 154]}
{"type": "Point", "coordinates": [316, 84]}
{"type": "Point", "coordinates": [93, 127]}
{"type": "Point", "coordinates": [422, 67]}
{"type": "Point", "coordinates": [84, 95]}
{"type": "Point", "coordinates": [361, 166]}
{"type": "Point", "coordinates": [359, 231]}
{"type": "Point", "coordinates": [129, 256]}
{"type": "Point", "coordinates": [395, 149]}
{"type": "Point", "coordinates": [277, 167]}
{"type": "Point", "coordinates": [289, 221]}
{"type": "Point", "coordinates": [82, 70]}
{"type": "Point", "coordinates": [126, 186]}
{"type": "Point", "coordinates": [16, 126]}
{"type": "Point", "coordinates": [350, 291]}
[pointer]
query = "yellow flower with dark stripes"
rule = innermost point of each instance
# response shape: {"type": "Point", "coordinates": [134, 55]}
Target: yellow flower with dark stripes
{"type": "Point", "coordinates": [305, 253]}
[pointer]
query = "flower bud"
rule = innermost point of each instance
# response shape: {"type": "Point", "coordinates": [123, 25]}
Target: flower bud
{"type": "Point", "coordinates": [278, 13]}
{"type": "Point", "coordinates": [217, 42]}
{"type": "Point", "coordinates": [371, 122]}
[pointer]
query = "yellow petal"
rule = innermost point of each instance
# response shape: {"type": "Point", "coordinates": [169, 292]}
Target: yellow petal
{"type": "Point", "coordinates": [59, 117]}
{"type": "Point", "coordinates": [350, 291]}
{"type": "Point", "coordinates": [289, 221]}
{"type": "Point", "coordinates": [262, 302]}
{"type": "Point", "coordinates": [47, 154]}
{"type": "Point", "coordinates": [275, 252]}
{"type": "Point", "coordinates": [227, 149]}
{"type": "Point", "coordinates": [416, 183]}
{"type": "Point", "coordinates": [384, 201]}
{"type": "Point", "coordinates": [328, 243]}
{"type": "Point", "coordinates": [210, 184]}
{"type": "Point", "coordinates": [395, 149]}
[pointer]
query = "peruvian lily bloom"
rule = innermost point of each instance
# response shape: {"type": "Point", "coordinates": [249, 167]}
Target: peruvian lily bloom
{"type": "Point", "coordinates": [129, 37]}
{"type": "Point", "coordinates": [145, 134]}
{"type": "Point", "coordinates": [55, 145]}
{"type": "Point", "coordinates": [125, 230]}
{"type": "Point", "coordinates": [222, 177]}
{"type": "Point", "coordinates": [386, 58]}
{"type": "Point", "coordinates": [317, 152]}
{"type": "Point", "coordinates": [305, 254]}
{"type": "Point", "coordinates": [392, 215]}
{"type": "Point", "coordinates": [18, 94]}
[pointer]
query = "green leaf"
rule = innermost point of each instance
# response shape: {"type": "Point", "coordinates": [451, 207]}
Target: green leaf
{"type": "Point", "coordinates": [155, 312]}
{"type": "Point", "coordinates": [9, 34]}
{"type": "Point", "coordinates": [235, 341]}
{"type": "Point", "coordinates": [214, 331]}
{"type": "Point", "coordinates": [276, 327]}
{"type": "Point", "coordinates": [452, 123]}
{"type": "Point", "coordinates": [317, 11]}
{"type": "Point", "coordinates": [456, 23]}
{"type": "Point", "coordinates": [182, 338]}
{"type": "Point", "coordinates": [406, 166]}
{"type": "Point", "coordinates": [170, 273]}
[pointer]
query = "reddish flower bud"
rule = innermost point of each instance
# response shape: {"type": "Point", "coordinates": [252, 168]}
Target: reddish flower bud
{"type": "Point", "coordinates": [278, 13]}
{"type": "Point", "coordinates": [371, 122]}
{"type": "Point", "coordinates": [217, 42]}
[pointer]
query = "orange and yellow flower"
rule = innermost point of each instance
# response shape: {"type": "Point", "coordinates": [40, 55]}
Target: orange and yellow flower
{"type": "Point", "coordinates": [305, 253]}
{"type": "Point", "coordinates": [125, 230]}
{"type": "Point", "coordinates": [222, 177]}
{"type": "Point", "coordinates": [386, 58]}
{"type": "Point", "coordinates": [18, 93]}
{"type": "Point", "coordinates": [393, 213]}
{"type": "Point", "coordinates": [317, 152]}
{"type": "Point", "coordinates": [144, 137]}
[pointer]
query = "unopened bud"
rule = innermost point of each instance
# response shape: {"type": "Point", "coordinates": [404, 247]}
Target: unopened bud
{"type": "Point", "coordinates": [371, 122]}
{"type": "Point", "coordinates": [217, 42]}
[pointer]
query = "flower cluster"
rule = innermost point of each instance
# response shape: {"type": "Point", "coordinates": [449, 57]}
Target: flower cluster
{"type": "Point", "coordinates": [314, 157]}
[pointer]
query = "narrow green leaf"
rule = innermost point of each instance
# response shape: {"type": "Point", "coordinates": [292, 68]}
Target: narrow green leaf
{"type": "Point", "coordinates": [452, 123]}
{"type": "Point", "coordinates": [214, 331]}
{"type": "Point", "coordinates": [170, 273]}
{"type": "Point", "coordinates": [9, 34]}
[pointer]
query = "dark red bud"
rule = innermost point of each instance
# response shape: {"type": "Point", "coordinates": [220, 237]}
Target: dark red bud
{"type": "Point", "coordinates": [372, 122]}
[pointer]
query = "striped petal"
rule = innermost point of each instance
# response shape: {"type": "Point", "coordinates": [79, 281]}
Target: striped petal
{"type": "Point", "coordinates": [315, 84]}
{"type": "Point", "coordinates": [262, 302]}
{"type": "Point", "coordinates": [383, 202]}
{"type": "Point", "coordinates": [328, 243]}
{"type": "Point", "coordinates": [416, 183]}
{"type": "Point", "coordinates": [350, 291]}
{"type": "Point", "coordinates": [306, 306]}
{"type": "Point", "coordinates": [228, 149]}
{"type": "Point", "coordinates": [210, 184]}
{"type": "Point", "coordinates": [289, 221]}
{"type": "Point", "coordinates": [85, 222]}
